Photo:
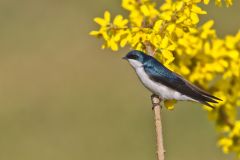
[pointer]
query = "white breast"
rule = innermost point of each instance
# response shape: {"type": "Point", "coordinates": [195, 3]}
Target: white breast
{"type": "Point", "coordinates": [157, 88]}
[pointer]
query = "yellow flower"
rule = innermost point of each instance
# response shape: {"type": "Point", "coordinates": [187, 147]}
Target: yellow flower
{"type": "Point", "coordinates": [120, 22]}
{"type": "Point", "coordinates": [183, 45]}
{"type": "Point", "coordinates": [225, 143]}
{"type": "Point", "coordinates": [206, 1]}
{"type": "Point", "coordinates": [169, 104]}
{"type": "Point", "coordinates": [103, 21]}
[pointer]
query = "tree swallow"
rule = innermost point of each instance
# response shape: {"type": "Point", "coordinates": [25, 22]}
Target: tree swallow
{"type": "Point", "coordinates": [165, 83]}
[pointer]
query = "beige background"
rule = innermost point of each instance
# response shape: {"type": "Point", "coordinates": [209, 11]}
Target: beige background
{"type": "Point", "coordinates": [63, 98]}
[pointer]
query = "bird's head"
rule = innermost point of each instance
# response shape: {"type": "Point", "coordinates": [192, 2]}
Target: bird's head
{"type": "Point", "coordinates": [135, 58]}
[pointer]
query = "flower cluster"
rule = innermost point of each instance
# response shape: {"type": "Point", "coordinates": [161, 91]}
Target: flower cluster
{"type": "Point", "coordinates": [173, 33]}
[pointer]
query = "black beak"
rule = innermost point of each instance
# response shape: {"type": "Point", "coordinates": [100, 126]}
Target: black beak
{"type": "Point", "coordinates": [124, 58]}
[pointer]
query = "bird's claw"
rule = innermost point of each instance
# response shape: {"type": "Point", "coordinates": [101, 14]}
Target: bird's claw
{"type": "Point", "coordinates": [155, 101]}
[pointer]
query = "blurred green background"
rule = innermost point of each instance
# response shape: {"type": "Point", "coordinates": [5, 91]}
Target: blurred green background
{"type": "Point", "coordinates": [63, 98]}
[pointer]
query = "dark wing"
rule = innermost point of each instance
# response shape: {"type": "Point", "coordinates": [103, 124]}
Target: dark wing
{"type": "Point", "coordinates": [157, 72]}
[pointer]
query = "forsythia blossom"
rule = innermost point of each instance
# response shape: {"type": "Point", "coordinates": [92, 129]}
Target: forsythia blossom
{"type": "Point", "coordinates": [196, 52]}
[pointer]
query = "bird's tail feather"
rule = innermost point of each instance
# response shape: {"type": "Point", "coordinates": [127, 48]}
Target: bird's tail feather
{"type": "Point", "coordinates": [205, 94]}
{"type": "Point", "coordinates": [202, 96]}
{"type": "Point", "coordinates": [207, 104]}
{"type": "Point", "coordinates": [205, 98]}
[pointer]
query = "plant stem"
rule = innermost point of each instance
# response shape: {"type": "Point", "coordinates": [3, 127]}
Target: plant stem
{"type": "Point", "coordinates": [158, 124]}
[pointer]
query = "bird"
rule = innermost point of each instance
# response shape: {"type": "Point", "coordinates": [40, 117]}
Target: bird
{"type": "Point", "coordinates": [165, 83]}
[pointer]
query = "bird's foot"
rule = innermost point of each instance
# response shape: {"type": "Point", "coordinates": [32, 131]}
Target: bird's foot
{"type": "Point", "coordinates": [154, 105]}
{"type": "Point", "coordinates": [155, 101]}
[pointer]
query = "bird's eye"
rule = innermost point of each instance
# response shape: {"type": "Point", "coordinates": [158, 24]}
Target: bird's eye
{"type": "Point", "coordinates": [132, 56]}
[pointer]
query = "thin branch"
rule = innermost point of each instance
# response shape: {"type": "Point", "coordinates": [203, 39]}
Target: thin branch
{"type": "Point", "coordinates": [158, 124]}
